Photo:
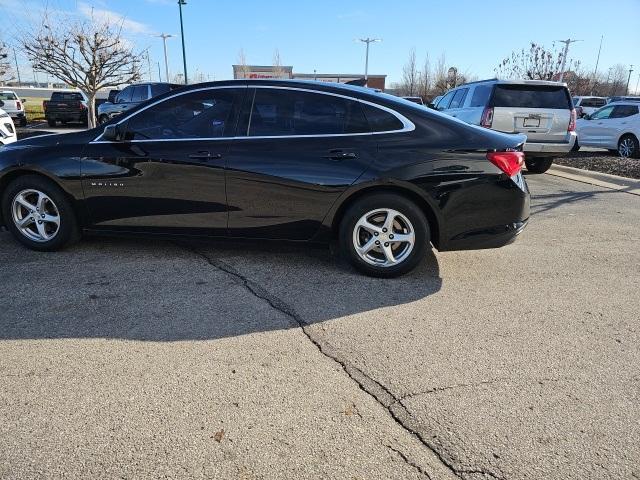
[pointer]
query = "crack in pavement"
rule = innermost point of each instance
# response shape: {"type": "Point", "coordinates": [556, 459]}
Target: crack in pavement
{"type": "Point", "coordinates": [408, 461]}
{"type": "Point", "coordinates": [372, 387]}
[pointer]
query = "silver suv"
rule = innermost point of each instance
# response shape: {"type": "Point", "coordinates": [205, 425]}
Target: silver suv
{"type": "Point", "coordinates": [541, 110]}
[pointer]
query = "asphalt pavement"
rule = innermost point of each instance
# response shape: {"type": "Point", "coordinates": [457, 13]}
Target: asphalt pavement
{"type": "Point", "coordinates": [129, 358]}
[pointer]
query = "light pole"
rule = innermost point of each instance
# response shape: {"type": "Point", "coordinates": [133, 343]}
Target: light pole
{"type": "Point", "coordinates": [366, 62]}
{"type": "Point", "coordinates": [595, 72]}
{"type": "Point", "coordinates": [164, 37]}
{"type": "Point", "coordinates": [184, 55]}
{"type": "Point", "coordinates": [628, 78]}
{"type": "Point", "coordinates": [566, 42]}
{"type": "Point", "coordinates": [15, 57]}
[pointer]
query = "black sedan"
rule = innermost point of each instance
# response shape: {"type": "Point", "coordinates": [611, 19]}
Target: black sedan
{"type": "Point", "coordinates": [284, 160]}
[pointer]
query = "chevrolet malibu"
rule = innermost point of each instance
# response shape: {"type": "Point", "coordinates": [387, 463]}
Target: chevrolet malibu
{"type": "Point", "coordinates": [274, 160]}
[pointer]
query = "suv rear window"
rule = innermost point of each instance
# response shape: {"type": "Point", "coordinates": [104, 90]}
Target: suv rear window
{"type": "Point", "coordinates": [531, 96]}
{"type": "Point", "coordinates": [62, 96]}
{"type": "Point", "coordinates": [8, 96]}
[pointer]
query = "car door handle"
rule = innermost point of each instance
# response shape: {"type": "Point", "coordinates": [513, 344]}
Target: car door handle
{"type": "Point", "coordinates": [339, 155]}
{"type": "Point", "coordinates": [204, 155]}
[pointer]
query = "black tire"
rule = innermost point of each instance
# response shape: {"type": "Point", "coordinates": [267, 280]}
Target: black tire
{"type": "Point", "coordinates": [23, 122]}
{"type": "Point", "coordinates": [628, 142]}
{"type": "Point", "coordinates": [103, 119]}
{"type": "Point", "coordinates": [538, 164]}
{"type": "Point", "coordinates": [576, 146]}
{"type": "Point", "coordinates": [68, 232]}
{"type": "Point", "coordinates": [52, 123]}
{"type": "Point", "coordinates": [371, 203]}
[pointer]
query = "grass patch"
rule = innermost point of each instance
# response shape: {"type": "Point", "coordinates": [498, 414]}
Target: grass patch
{"type": "Point", "coordinates": [33, 108]}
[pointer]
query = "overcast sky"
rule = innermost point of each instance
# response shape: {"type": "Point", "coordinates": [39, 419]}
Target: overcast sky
{"type": "Point", "coordinates": [474, 35]}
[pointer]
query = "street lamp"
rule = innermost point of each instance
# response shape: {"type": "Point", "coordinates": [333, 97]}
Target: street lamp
{"type": "Point", "coordinates": [184, 55]}
{"type": "Point", "coordinates": [566, 42]}
{"type": "Point", "coordinates": [164, 37]}
{"type": "Point", "coordinates": [366, 62]}
{"type": "Point", "coordinates": [628, 79]}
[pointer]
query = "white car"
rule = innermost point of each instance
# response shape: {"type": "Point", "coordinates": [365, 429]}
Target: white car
{"type": "Point", "coordinates": [615, 127]}
{"type": "Point", "coordinates": [589, 104]}
{"type": "Point", "coordinates": [12, 105]}
{"type": "Point", "coordinates": [7, 129]}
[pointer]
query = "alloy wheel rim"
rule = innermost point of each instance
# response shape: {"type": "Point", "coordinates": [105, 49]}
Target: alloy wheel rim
{"type": "Point", "coordinates": [626, 147]}
{"type": "Point", "coordinates": [35, 215]}
{"type": "Point", "coordinates": [383, 237]}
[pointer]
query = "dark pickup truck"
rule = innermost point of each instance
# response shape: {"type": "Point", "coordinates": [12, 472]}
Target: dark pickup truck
{"type": "Point", "coordinates": [65, 107]}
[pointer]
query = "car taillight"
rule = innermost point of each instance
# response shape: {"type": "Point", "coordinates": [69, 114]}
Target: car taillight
{"type": "Point", "coordinates": [572, 121]}
{"type": "Point", "coordinates": [18, 105]}
{"type": "Point", "coordinates": [487, 117]}
{"type": "Point", "coordinates": [509, 162]}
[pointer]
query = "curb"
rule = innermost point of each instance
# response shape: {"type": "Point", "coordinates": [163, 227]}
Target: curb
{"type": "Point", "coordinates": [605, 180]}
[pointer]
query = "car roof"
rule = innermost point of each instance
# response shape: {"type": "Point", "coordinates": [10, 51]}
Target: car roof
{"type": "Point", "coordinates": [623, 102]}
{"type": "Point", "coordinates": [515, 82]}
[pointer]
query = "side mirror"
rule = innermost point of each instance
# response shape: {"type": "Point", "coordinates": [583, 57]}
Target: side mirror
{"type": "Point", "coordinates": [113, 133]}
{"type": "Point", "coordinates": [23, 100]}
{"type": "Point", "coordinates": [1, 103]}
{"type": "Point", "coordinates": [586, 116]}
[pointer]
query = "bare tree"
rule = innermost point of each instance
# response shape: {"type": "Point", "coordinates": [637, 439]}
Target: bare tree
{"type": "Point", "coordinates": [86, 54]}
{"type": "Point", "coordinates": [410, 75]}
{"type": "Point", "coordinates": [537, 63]}
{"type": "Point", "coordinates": [242, 62]}
{"type": "Point", "coordinates": [424, 80]}
{"type": "Point", "coordinates": [440, 77]}
{"type": "Point", "coordinates": [5, 66]}
{"type": "Point", "coordinates": [278, 71]}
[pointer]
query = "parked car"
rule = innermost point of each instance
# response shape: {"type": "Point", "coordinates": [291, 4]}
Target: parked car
{"type": "Point", "coordinates": [587, 105]}
{"type": "Point", "coordinates": [275, 159]}
{"type": "Point", "coordinates": [130, 97]}
{"type": "Point", "coordinates": [417, 100]}
{"type": "Point", "coordinates": [7, 129]}
{"type": "Point", "coordinates": [11, 104]}
{"type": "Point", "coordinates": [65, 107]}
{"type": "Point", "coordinates": [615, 127]}
{"type": "Point", "coordinates": [539, 109]}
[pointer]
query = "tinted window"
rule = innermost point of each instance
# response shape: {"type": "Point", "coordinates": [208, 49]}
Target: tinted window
{"type": "Point", "coordinates": [8, 96]}
{"type": "Point", "coordinates": [140, 93]}
{"type": "Point", "coordinates": [125, 95]}
{"type": "Point", "coordinates": [531, 96]}
{"type": "Point", "coordinates": [159, 88]}
{"type": "Point", "coordinates": [205, 114]}
{"type": "Point", "coordinates": [622, 111]}
{"type": "Point", "coordinates": [62, 96]}
{"type": "Point", "coordinates": [112, 95]}
{"type": "Point", "coordinates": [602, 113]}
{"type": "Point", "coordinates": [290, 112]}
{"type": "Point", "coordinates": [444, 101]}
{"type": "Point", "coordinates": [593, 102]}
{"type": "Point", "coordinates": [381, 120]}
{"type": "Point", "coordinates": [481, 96]}
{"type": "Point", "coordinates": [458, 99]}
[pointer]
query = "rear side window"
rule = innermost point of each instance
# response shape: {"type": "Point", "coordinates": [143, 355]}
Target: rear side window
{"type": "Point", "coordinates": [481, 96]}
{"type": "Point", "coordinates": [531, 96]}
{"type": "Point", "coordinates": [458, 99]}
{"type": "Point", "coordinates": [593, 102]}
{"type": "Point", "coordinates": [623, 111]}
{"type": "Point", "coordinates": [159, 89]}
{"type": "Point", "coordinates": [140, 93]}
{"type": "Point", "coordinates": [62, 96]}
{"type": "Point", "coordinates": [8, 96]}
{"type": "Point", "coordinates": [278, 112]}
{"type": "Point", "coordinates": [381, 120]}
{"type": "Point", "coordinates": [125, 95]}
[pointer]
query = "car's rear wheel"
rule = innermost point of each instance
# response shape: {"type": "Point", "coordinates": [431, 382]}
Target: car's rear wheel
{"type": "Point", "coordinates": [384, 235]}
{"type": "Point", "coordinates": [628, 147]}
{"type": "Point", "coordinates": [38, 214]}
{"type": "Point", "coordinates": [23, 122]}
{"type": "Point", "coordinates": [52, 123]}
{"type": "Point", "coordinates": [103, 119]}
{"type": "Point", "coordinates": [538, 164]}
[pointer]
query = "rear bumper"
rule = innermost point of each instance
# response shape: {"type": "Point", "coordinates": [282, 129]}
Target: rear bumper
{"type": "Point", "coordinates": [491, 237]}
{"type": "Point", "coordinates": [551, 149]}
{"type": "Point", "coordinates": [66, 117]}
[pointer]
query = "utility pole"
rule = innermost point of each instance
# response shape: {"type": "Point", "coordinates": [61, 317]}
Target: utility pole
{"type": "Point", "coordinates": [637, 84]}
{"type": "Point", "coordinates": [15, 57]}
{"type": "Point", "coordinates": [566, 42]}
{"type": "Point", "coordinates": [184, 55]}
{"type": "Point", "coordinates": [164, 37]}
{"type": "Point", "coordinates": [368, 41]}
{"type": "Point", "coordinates": [159, 76]}
{"type": "Point", "coordinates": [628, 78]}
{"type": "Point", "coordinates": [595, 72]}
{"type": "Point", "coordinates": [149, 63]}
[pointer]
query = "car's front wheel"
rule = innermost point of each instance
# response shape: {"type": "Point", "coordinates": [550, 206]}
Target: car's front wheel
{"type": "Point", "coordinates": [103, 119]}
{"type": "Point", "coordinates": [538, 164]}
{"type": "Point", "coordinates": [38, 214]}
{"type": "Point", "coordinates": [384, 235]}
{"type": "Point", "coordinates": [628, 147]}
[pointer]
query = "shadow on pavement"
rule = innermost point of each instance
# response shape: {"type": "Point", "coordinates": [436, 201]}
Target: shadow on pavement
{"type": "Point", "coordinates": [162, 291]}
